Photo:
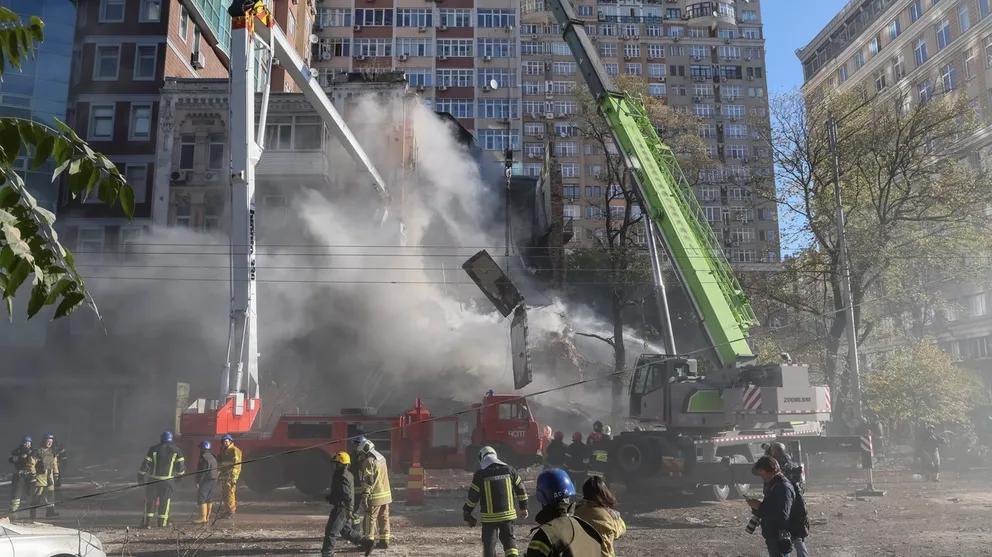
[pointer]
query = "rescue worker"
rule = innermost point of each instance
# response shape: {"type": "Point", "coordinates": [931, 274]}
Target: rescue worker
{"type": "Point", "coordinates": [498, 491]}
{"type": "Point", "coordinates": [597, 433]}
{"type": "Point", "coordinates": [230, 471]}
{"type": "Point", "coordinates": [163, 463]}
{"type": "Point", "coordinates": [928, 447]}
{"type": "Point", "coordinates": [341, 496]}
{"type": "Point", "coordinates": [599, 508]}
{"type": "Point", "coordinates": [556, 453]}
{"type": "Point", "coordinates": [373, 487]}
{"type": "Point", "coordinates": [561, 534]}
{"type": "Point", "coordinates": [206, 481]}
{"type": "Point", "coordinates": [599, 453]}
{"type": "Point", "coordinates": [793, 471]}
{"type": "Point", "coordinates": [48, 474]}
{"type": "Point", "coordinates": [577, 457]}
{"type": "Point", "coordinates": [23, 484]}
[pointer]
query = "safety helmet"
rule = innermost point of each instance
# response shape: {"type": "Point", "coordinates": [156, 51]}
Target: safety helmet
{"type": "Point", "coordinates": [559, 435]}
{"type": "Point", "coordinates": [485, 451]}
{"type": "Point", "coordinates": [577, 437]}
{"type": "Point", "coordinates": [358, 441]}
{"type": "Point", "coordinates": [553, 486]}
{"type": "Point", "coordinates": [166, 437]}
{"type": "Point", "coordinates": [50, 436]}
{"type": "Point", "coordinates": [227, 437]}
{"type": "Point", "coordinates": [342, 458]}
{"type": "Point", "coordinates": [597, 426]}
{"type": "Point", "coordinates": [365, 445]}
{"type": "Point", "coordinates": [205, 445]}
{"type": "Point", "coordinates": [607, 431]}
{"type": "Point", "coordinates": [26, 440]}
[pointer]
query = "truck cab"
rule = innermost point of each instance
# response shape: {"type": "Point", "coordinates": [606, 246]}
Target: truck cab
{"type": "Point", "coordinates": [505, 423]}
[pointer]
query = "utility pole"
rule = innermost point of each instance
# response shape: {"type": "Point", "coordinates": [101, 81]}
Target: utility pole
{"type": "Point", "coordinates": [854, 365]}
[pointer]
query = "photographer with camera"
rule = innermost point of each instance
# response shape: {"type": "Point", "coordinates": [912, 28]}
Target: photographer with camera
{"type": "Point", "coordinates": [776, 512]}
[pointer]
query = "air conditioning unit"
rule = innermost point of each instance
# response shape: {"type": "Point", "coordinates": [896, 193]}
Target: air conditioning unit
{"type": "Point", "coordinates": [420, 88]}
{"type": "Point", "coordinates": [627, 58]}
{"type": "Point", "coordinates": [563, 134]}
{"type": "Point", "coordinates": [442, 58]}
{"type": "Point", "coordinates": [404, 57]}
{"type": "Point", "coordinates": [421, 29]}
{"type": "Point", "coordinates": [697, 58]}
{"type": "Point", "coordinates": [486, 88]}
{"type": "Point", "coordinates": [676, 39]}
{"type": "Point", "coordinates": [750, 78]}
{"type": "Point", "coordinates": [178, 176]}
{"type": "Point", "coordinates": [549, 96]}
{"type": "Point", "coordinates": [442, 28]}
{"type": "Point", "coordinates": [487, 58]}
{"type": "Point", "coordinates": [726, 41]}
{"type": "Point", "coordinates": [360, 58]}
{"type": "Point", "coordinates": [358, 28]}
{"type": "Point", "coordinates": [196, 59]}
{"type": "Point", "coordinates": [549, 115]}
{"type": "Point", "coordinates": [442, 88]}
{"type": "Point", "coordinates": [508, 29]}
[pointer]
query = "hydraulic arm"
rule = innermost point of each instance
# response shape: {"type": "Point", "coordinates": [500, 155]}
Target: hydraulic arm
{"type": "Point", "coordinates": [676, 220]}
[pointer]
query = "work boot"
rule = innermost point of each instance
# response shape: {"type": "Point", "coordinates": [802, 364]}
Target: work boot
{"type": "Point", "coordinates": [382, 544]}
{"type": "Point", "coordinates": [203, 515]}
{"type": "Point", "coordinates": [368, 545]}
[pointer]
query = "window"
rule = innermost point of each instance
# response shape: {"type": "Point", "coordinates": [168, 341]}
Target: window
{"type": "Point", "coordinates": [374, 17]}
{"type": "Point", "coordinates": [291, 25]}
{"type": "Point", "coordinates": [943, 30]}
{"type": "Point", "coordinates": [184, 24]}
{"type": "Point", "coordinates": [736, 152]}
{"type": "Point", "coordinates": [948, 77]}
{"type": "Point", "coordinates": [90, 239]}
{"type": "Point", "coordinates": [631, 50]}
{"type": "Point", "coordinates": [988, 51]}
{"type": "Point", "coordinates": [977, 306]}
{"type": "Point", "coordinates": [101, 121]}
{"type": "Point", "coordinates": [151, 10]}
{"type": "Point", "coordinates": [595, 192]}
{"type": "Point", "coordinates": [498, 140]}
{"type": "Point", "coordinates": [455, 78]}
{"type": "Point", "coordinates": [459, 108]}
{"type": "Point", "coordinates": [703, 110]}
{"type": "Point", "coordinates": [874, 45]}
{"type": "Point", "coordinates": [655, 51]}
{"type": "Point", "coordinates": [420, 77]}
{"type": "Point", "coordinates": [656, 89]}
{"type": "Point", "coordinates": [612, 69]}
{"type": "Point", "coordinates": [898, 68]}
{"type": "Point", "coordinates": [141, 122]}
{"type": "Point", "coordinates": [495, 48]}
{"type": "Point", "coordinates": [137, 178]}
{"type": "Point", "coordinates": [496, 18]}
{"type": "Point", "coordinates": [570, 192]}
{"type": "Point", "coordinates": [566, 149]}
{"type": "Point", "coordinates": [594, 213]}
{"type": "Point", "coordinates": [461, 48]}
{"type": "Point", "coordinates": [733, 110]}
{"type": "Point", "coordinates": [916, 10]}
{"type": "Point", "coordinates": [111, 11]}
{"type": "Point", "coordinates": [750, 33]}
{"type": "Point", "coordinates": [964, 18]}
{"type": "Point", "coordinates": [145, 61]}
{"type": "Point", "coordinates": [736, 131]}
{"type": "Point", "coordinates": [970, 63]}
{"type": "Point", "coordinates": [373, 47]}
{"type": "Point", "coordinates": [215, 153]}
{"type": "Point", "coordinates": [505, 77]}
{"type": "Point", "coordinates": [330, 48]}
{"type": "Point", "coordinates": [570, 170]}
{"type": "Point", "coordinates": [842, 73]}
{"type": "Point", "coordinates": [920, 51]}
{"type": "Point", "coordinates": [657, 70]}
{"type": "Point", "coordinates": [894, 29]}
{"type": "Point", "coordinates": [859, 60]}
{"type": "Point", "coordinates": [880, 82]}
{"type": "Point", "coordinates": [455, 17]}
{"type": "Point", "coordinates": [571, 212]}
{"type": "Point", "coordinates": [187, 151]}
{"type": "Point", "coordinates": [307, 132]}
{"type": "Point", "coordinates": [632, 69]}
{"type": "Point", "coordinates": [498, 108]}
{"type": "Point", "coordinates": [341, 17]}
{"type": "Point", "coordinates": [607, 50]}
{"type": "Point", "coordinates": [925, 91]}
{"type": "Point", "coordinates": [196, 40]}
{"type": "Point", "coordinates": [106, 62]}
{"type": "Point", "coordinates": [406, 46]}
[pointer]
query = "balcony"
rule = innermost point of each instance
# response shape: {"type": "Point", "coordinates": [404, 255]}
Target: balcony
{"type": "Point", "coordinates": [294, 163]}
{"type": "Point", "coordinates": [710, 13]}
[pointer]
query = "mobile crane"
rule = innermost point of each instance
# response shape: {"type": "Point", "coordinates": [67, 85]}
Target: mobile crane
{"type": "Point", "coordinates": [701, 430]}
{"type": "Point", "coordinates": [415, 436]}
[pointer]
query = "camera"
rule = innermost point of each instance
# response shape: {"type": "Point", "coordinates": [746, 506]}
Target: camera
{"type": "Point", "coordinates": [752, 524]}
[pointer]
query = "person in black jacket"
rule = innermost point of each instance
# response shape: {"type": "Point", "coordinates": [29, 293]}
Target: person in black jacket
{"type": "Point", "coordinates": [341, 496]}
{"type": "Point", "coordinates": [775, 510]}
{"type": "Point", "coordinates": [556, 453]}
{"type": "Point", "coordinates": [793, 471]}
{"type": "Point", "coordinates": [206, 480]}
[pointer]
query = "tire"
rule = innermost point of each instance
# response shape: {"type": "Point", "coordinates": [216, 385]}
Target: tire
{"type": "Point", "coordinates": [264, 476]}
{"type": "Point", "coordinates": [717, 493]}
{"type": "Point", "coordinates": [635, 457]}
{"type": "Point", "coordinates": [311, 472]}
{"type": "Point", "coordinates": [740, 491]}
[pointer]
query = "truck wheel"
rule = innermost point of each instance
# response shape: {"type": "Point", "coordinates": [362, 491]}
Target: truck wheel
{"type": "Point", "coordinates": [311, 472]}
{"type": "Point", "coordinates": [714, 492]}
{"type": "Point", "coordinates": [264, 476]}
{"type": "Point", "coordinates": [740, 491]}
{"type": "Point", "coordinates": [636, 457]}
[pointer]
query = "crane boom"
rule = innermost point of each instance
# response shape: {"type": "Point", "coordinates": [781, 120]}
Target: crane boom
{"type": "Point", "coordinates": [254, 32]}
{"type": "Point", "coordinates": [668, 201]}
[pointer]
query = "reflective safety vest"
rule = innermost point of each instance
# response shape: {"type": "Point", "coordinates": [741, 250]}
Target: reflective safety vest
{"type": "Point", "coordinates": [373, 480]}
{"type": "Point", "coordinates": [599, 462]}
{"type": "Point", "coordinates": [497, 490]}
{"type": "Point", "coordinates": [163, 462]}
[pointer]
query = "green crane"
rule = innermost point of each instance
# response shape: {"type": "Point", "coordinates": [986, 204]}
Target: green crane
{"type": "Point", "coordinates": [673, 214]}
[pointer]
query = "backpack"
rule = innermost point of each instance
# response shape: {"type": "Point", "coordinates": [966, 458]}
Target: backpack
{"type": "Point", "coordinates": [798, 516]}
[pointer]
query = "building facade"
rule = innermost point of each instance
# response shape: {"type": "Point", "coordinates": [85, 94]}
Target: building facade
{"type": "Point", "coordinates": [924, 48]}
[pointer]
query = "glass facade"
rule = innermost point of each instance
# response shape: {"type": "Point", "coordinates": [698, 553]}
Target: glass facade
{"type": "Point", "coordinates": [40, 89]}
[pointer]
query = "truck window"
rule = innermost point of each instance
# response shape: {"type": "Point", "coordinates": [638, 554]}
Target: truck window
{"type": "Point", "coordinates": [648, 379]}
{"type": "Point", "coordinates": [513, 411]}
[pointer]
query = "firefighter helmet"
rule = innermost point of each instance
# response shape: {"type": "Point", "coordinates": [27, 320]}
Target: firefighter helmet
{"type": "Point", "coordinates": [597, 426]}
{"type": "Point", "coordinates": [365, 445]}
{"type": "Point", "coordinates": [227, 437]}
{"type": "Point", "coordinates": [485, 451]}
{"type": "Point", "coordinates": [607, 431]}
{"type": "Point", "coordinates": [49, 436]}
{"type": "Point", "coordinates": [577, 437]}
{"type": "Point", "coordinates": [205, 445]}
{"type": "Point", "coordinates": [166, 437]}
{"type": "Point", "coordinates": [26, 440]}
{"type": "Point", "coordinates": [553, 486]}
{"type": "Point", "coordinates": [342, 458]}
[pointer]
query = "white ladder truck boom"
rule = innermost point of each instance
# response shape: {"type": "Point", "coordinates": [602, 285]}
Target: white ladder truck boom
{"type": "Point", "coordinates": [257, 39]}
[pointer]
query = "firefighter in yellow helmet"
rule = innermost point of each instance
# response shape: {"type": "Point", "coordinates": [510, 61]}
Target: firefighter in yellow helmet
{"type": "Point", "coordinates": [373, 487]}
{"type": "Point", "coordinates": [230, 471]}
{"type": "Point", "coordinates": [341, 496]}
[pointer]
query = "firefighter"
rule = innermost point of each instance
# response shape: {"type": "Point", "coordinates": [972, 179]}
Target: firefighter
{"type": "Point", "coordinates": [373, 487]}
{"type": "Point", "coordinates": [206, 481]}
{"type": "Point", "coordinates": [23, 484]}
{"type": "Point", "coordinates": [560, 533]}
{"type": "Point", "coordinates": [163, 463]}
{"type": "Point", "coordinates": [498, 491]}
{"type": "Point", "coordinates": [63, 457]}
{"type": "Point", "coordinates": [577, 457]}
{"type": "Point", "coordinates": [597, 433]}
{"type": "Point", "coordinates": [555, 454]}
{"type": "Point", "coordinates": [599, 453]}
{"type": "Point", "coordinates": [48, 474]}
{"type": "Point", "coordinates": [230, 470]}
{"type": "Point", "coordinates": [341, 496]}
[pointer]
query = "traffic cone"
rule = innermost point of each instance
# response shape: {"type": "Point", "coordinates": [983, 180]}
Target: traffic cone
{"type": "Point", "coordinates": [415, 485]}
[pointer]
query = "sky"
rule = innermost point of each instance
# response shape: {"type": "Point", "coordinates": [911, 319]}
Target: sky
{"type": "Point", "coordinates": [788, 28]}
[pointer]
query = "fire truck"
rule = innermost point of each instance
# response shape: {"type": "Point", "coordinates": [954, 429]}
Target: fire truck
{"type": "Point", "coordinates": [298, 449]}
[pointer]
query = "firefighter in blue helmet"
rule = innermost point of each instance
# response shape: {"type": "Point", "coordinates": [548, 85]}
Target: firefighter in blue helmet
{"type": "Point", "coordinates": [163, 463]}
{"type": "Point", "coordinates": [560, 533]}
{"type": "Point", "coordinates": [206, 480]}
{"type": "Point", "coordinates": [48, 473]}
{"type": "Point", "coordinates": [23, 490]}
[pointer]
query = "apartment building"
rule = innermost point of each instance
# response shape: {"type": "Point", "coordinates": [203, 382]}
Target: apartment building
{"type": "Point", "coordinates": [926, 48]}
{"type": "Point", "coordinates": [461, 56]}
{"type": "Point", "coordinates": [124, 52]}
{"type": "Point", "coordinates": [701, 58]}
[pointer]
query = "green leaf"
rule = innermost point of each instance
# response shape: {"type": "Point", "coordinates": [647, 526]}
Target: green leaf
{"type": "Point", "coordinates": [46, 215]}
{"type": "Point", "coordinates": [9, 197]}
{"type": "Point", "coordinates": [37, 28]}
{"type": "Point", "coordinates": [13, 49]}
{"type": "Point", "coordinates": [13, 236]}
{"type": "Point", "coordinates": [62, 150]}
{"type": "Point", "coordinates": [43, 151]}
{"type": "Point", "coordinates": [69, 303]}
{"type": "Point", "coordinates": [108, 193]}
{"type": "Point", "coordinates": [10, 142]}
{"type": "Point", "coordinates": [16, 277]}
{"type": "Point", "coordinates": [60, 169]}
{"type": "Point", "coordinates": [7, 218]}
{"type": "Point", "coordinates": [61, 286]}
{"type": "Point", "coordinates": [127, 201]}
{"type": "Point", "coordinates": [39, 293]}
{"type": "Point", "coordinates": [7, 258]}
{"type": "Point", "coordinates": [82, 177]}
